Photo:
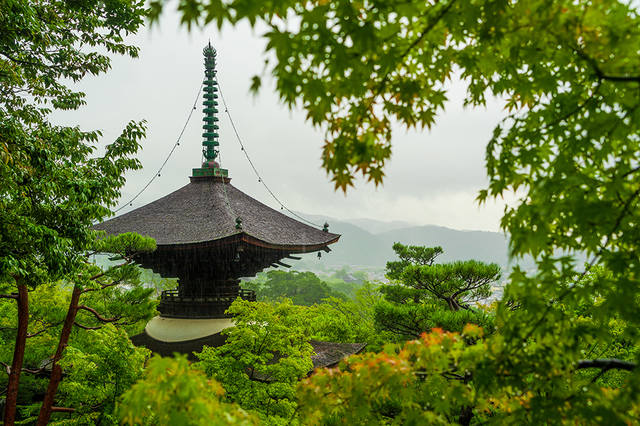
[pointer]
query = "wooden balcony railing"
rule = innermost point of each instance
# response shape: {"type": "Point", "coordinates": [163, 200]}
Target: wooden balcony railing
{"type": "Point", "coordinates": [173, 305]}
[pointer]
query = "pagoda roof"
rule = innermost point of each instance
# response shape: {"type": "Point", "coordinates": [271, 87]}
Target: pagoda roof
{"type": "Point", "coordinates": [327, 354]}
{"type": "Point", "coordinates": [206, 209]}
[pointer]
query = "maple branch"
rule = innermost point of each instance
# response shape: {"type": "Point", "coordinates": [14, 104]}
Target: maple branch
{"type": "Point", "coordinates": [621, 78]}
{"type": "Point", "coordinates": [630, 172]}
{"type": "Point", "coordinates": [430, 25]}
{"type": "Point", "coordinates": [601, 74]}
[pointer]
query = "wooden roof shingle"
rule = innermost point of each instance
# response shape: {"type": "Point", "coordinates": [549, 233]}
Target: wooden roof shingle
{"type": "Point", "coordinates": [198, 212]}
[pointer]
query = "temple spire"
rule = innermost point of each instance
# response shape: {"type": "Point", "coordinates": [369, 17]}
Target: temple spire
{"type": "Point", "coordinates": [210, 143]}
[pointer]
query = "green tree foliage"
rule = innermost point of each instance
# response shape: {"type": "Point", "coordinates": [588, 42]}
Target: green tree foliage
{"type": "Point", "coordinates": [173, 393]}
{"type": "Point", "coordinates": [99, 362]}
{"type": "Point", "coordinates": [303, 288]}
{"type": "Point", "coordinates": [411, 255]}
{"type": "Point", "coordinates": [425, 381]}
{"type": "Point", "coordinates": [350, 320]}
{"type": "Point", "coordinates": [445, 378]}
{"type": "Point", "coordinates": [424, 295]}
{"type": "Point", "coordinates": [568, 72]}
{"type": "Point", "coordinates": [264, 356]}
{"type": "Point", "coordinates": [91, 279]}
{"type": "Point", "coordinates": [53, 186]}
{"type": "Point", "coordinates": [100, 368]}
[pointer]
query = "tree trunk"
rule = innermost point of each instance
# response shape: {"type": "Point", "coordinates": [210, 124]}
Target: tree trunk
{"type": "Point", "coordinates": [18, 355]}
{"type": "Point", "coordinates": [466, 412]}
{"type": "Point", "coordinates": [466, 415]}
{"type": "Point", "coordinates": [56, 371]}
{"type": "Point", "coordinates": [451, 303]}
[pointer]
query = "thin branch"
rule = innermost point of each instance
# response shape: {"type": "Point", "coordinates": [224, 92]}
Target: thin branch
{"type": "Point", "coordinates": [103, 273]}
{"type": "Point", "coordinates": [39, 332]}
{"type": "Point", "coordinates": [37, 371]}
{"type": "Point", "coordinates": [606, 364]}
{"type": "Point", "coordinates": [85, 327]}
{"type": "Point", "coordinates": [97, 315]}
{"type": "Point", "coordinates": [63, 410]}
{"type": "Point", "coordinates": [620, 78]}
{"type": "Point", "coordinates": [9, 296]}
{"type": "Point", "coordinates": [630, 172]}
{"type": "Point", "coordinates": [601, 74]}
{"type": "Point", "coordinates": [430, 25]}
{"type": "Point", "coordinates": [624, 211]}
{"type": "Point", "coordinates": [102, 286]}
{"type": "Point", "coordinates": [7, 369]}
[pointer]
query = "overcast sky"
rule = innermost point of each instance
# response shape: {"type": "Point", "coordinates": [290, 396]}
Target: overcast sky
{"type": "Point", "coordinates": [433, 176]}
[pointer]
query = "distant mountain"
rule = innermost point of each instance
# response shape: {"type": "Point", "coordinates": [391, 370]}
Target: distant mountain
{"type": "Point", "coordinates": [356, 246]}
{"type": "Point", "coordinates": [367, 242]}
{"type": "Point", "coordinates": [377, 226]}
{"type": "Point", "coordinates": [457, 245]}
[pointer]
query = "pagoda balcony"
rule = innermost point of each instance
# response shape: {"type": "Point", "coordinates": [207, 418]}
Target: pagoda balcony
{"type": "Point", "coordinates": [173, 305]}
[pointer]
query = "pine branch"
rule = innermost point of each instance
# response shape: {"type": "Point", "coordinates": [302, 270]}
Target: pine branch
{"type": "Point", "coordinates": [7, 369]}
{"type": "Point", "coordinates": [63, 410]}
{"type": "Point", "coordinates": [9, 296]}
{"type": "Point", "coordinates": [85, 327]}
{"type": "Point", "coordinates": [39, 332]}
{"type": "Point", "coordinates": [102, 286]}
{"type": "Point", "coordinates": [97, 315]}
{"type": "Point", "coordinates": [103, 273]}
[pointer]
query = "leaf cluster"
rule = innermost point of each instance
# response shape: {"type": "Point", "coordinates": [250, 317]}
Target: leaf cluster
{"type": "Point", "coordinates": [265, 354]}
{"type": "Point", "coordinates": [171, 392]}
{"type": "Point", "coordinates": [426, 380]}
{"type": "Point", "coordinates": [303, 288]}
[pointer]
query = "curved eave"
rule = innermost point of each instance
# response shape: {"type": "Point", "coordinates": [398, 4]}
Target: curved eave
{"type": "Point", "coordinates": [290, 248]}
{"type": "Point", "coordinates": [251, 240]}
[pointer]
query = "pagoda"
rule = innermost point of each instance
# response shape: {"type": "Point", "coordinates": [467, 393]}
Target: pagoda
{"type": "Point", "coordinates": [208, 235]}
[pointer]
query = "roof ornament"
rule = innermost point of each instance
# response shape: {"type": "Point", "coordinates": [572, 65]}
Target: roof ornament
{"type": "Point", "coordinates": [325, 227]}
{"type": "Point", "coordinates": [210, 143]}
{"type": "Point", "coordinates": [238, 222]}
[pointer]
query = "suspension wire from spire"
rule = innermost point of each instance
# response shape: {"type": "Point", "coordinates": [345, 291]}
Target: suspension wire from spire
{"type": "Point", "coordinates": [175, 145]}
{"type": "Point", "coordinates": [253, 167]}
{"type": "Point", "coordinates": [224, 191]}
